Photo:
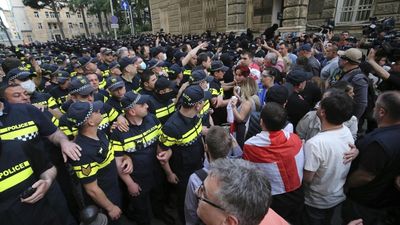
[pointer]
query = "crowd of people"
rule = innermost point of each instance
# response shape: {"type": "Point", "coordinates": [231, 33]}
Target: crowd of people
{"type": "Point", "coordinates": [200, 129]}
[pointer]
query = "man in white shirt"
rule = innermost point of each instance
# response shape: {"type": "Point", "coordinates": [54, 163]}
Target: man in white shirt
{"type": "Point", "coordinates": [324, 170]}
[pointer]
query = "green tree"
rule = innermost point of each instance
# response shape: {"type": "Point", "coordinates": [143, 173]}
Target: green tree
{"type": "Point", "coordinates": [79, 6]}
{"type": "Point", "coordinates": [96, 7]}
{"type": "Point", "coordinates": [52, 5]}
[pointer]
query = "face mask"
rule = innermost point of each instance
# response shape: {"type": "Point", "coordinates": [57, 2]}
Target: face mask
{"type": "Point", "coordinates": [166, 97]}
{"type": "Point", "coordinates": [39, 62]}
{"type": "Point", "coordinates": [207, 87]}
{"type": "Point", "coordinates": [68, 61]}
{"type": "Point", "coordinates": [29, 86]}
{"type": "Point", "coordinates": [143, 66]}
{"type": "Point", "coordinates": [164, 56]}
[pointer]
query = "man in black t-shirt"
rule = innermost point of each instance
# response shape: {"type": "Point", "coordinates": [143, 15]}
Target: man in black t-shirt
{"type": "Point", "coordinates": [372, 194]}
{"type": "Point", "coordinates": [181, 150]}
{"type": "Point", "coordinates": [140, 144]}
{"type": "Point", "coordinates": [96, 170]}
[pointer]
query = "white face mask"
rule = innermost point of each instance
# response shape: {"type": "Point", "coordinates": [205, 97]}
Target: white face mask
{"type": "Point", "coordinates": [39, 62]}
{"type": "Point", "coordinates": [143, 66]}
{"type": "Point", "coordinates": [29, 86]}
{"type": "Point", "coordinates": [164, 56]}
{"type": "Point", "coordinates": [68, 61]}
{"type": "Point", "coordinates": [208, 87]}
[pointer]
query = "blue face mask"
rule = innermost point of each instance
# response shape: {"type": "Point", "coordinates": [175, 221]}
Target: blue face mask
{"type": "Point", "coordinates": [143, 66]}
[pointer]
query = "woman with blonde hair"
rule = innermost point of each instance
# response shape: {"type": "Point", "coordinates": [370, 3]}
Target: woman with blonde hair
{"type": "Point", "coordinates": [244, 101]}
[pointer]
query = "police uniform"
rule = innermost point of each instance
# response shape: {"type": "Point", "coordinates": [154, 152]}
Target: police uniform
{"type": "Point", "coordinates": [140, 143]}
{"type": "Point", "coordinates": [197, 77]}
{"type": "Point", "coordinates": [133, 85]}
{"type": "Point", "coordinates": [60, 95]}
{"type": "Point", "coordinates": [108, 114]}
{"type": "Point", "coordinates": [162, 110]}
{"type": "Point", "coordinates": [21, 162]}
{"type": "Point", "coordinates": [216, 90]}
{"type": "Point", "coordinates": [44, 99]}
{"type": "Point", "coordinates": [115, 104]}
{"type": "Point", "coordinates": [183, 136]}
{"type": "Point", "coordinates": [97, 163]}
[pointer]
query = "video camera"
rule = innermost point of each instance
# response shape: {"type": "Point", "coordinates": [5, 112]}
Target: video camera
{"type": "Point", "coordinates": [381, 35]}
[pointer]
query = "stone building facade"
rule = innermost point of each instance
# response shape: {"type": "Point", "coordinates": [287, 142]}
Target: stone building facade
{"type": "Point", "coordinates": [197, 16]}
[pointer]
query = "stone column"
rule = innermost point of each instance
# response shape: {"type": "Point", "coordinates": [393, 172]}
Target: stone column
{"type": "Point", "coordinates": [294, 16]}
{"type": "Point", "coordinates": [236, 16]}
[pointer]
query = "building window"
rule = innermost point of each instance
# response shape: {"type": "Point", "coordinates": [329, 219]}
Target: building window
{"type": "Point", "coordinates": [81, 25]}
{"type": "Point", "coordinates": [36, 14]}
{"type": "Point", "coordinates": [351, 11]}
{"type": "Point", "coordinates": [49, 26]}
{"type": "Point", "coordinates": [47, 14]}
{"type": "Point", "coordinates": [67, 15]}
{"type": "Point", "coordinates": [40, 26]}
{"type": "Point", "coordinates": [52, 15]}
{"type": "Point", "coordinates": [90, 25]}
{"type": "Point", "coordinates": [55, 26]}
{"type": "Point", "coordinates": [70, 25]}
{"type": "Point", "coordinates": [79, 15]}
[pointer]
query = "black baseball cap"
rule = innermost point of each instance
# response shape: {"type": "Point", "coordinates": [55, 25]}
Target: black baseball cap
{"type": "Point", "coordinates": [62, 76]}
{"type": "Point", "coordinates": [153, 63]}
{"type": "Point", "coordinates": [200, 75]}
{"type": "Point", "coordinates": [125, 61]}
{"type": "Point", "coordinates": [278, 94]}
{"type": "Point", "coordinates": [83, 61]}
{"type": "Point", "coordinates": [114, 82]}
{"type": "Point", "coordinates": [19, 74]}
{"type": "Point", "coordinates": [79, 112]}
{"type": "Point", "coordinates": [298, 75]}
{"type": "Point", "coordinates": [194, 94]}
{"type": "Point", "coordinates": [131, 99]}
{"type": "Point", "coordinates": [114, 65]}
{"type": "Point", "coordinates": [80, 85]}
{"type": "Point", "coordinates": [218, 65]}
{"type": "Point", "coordinates": [162, 83]}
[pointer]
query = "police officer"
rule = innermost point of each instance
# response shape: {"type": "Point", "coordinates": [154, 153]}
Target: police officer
{"type": "Point", "coordinates": [200, 78]}
{"type": "Point", "coordinates": [43, 100]}
{"type": "Point", "coordinates": [116, 87]}
{"type": "Point", "coordinates": [218, 70]}
{"type": "Point", "coordinates": [180, 144]}
{"type": "Point", "coordinates": [60, 92]}
{"type": "Point", "coordinates": [96, 169]}
{"type": "Point", "coordinates": [99, 94]}
{"type": "Point", "coordinates": [139, 143]}
{"type": "Point", "coordinates": [81, 90]}
{"type": "Point", "coordinates": [129, 68]}
{"type": "Point", "coordinates": [107, 59]}
{"type": "Point", "coordinates": [147, 80]}
{"type": "Point", "coordinates": [161, 103]}
{"type": "Point", "coordinates": [26, 178]}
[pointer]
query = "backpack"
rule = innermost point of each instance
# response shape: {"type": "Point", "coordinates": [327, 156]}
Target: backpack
{"type": "Point", "coordinates": [371, 96]}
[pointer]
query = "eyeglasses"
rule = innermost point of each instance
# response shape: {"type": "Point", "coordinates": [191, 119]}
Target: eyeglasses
{"type": "Point", "coordinates": [201, 195]}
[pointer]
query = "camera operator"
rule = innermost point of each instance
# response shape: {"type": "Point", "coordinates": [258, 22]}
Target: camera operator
{"type": "Point", "coordinates": [391, 79]}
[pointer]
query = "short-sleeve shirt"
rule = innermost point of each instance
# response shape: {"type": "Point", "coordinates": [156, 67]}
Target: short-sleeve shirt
{"type": "Point", "coordinates": [162, 110]}
{"type": "Point", "coordinates": [324, 156]}
{"type": "Point", "coordinates": [24, 122]}
{"type": "Point", "coordinates": [140, 143]}
{"type": "Point", "coordinates": [183, 136]}
{"type": "Point", "coordinates": [97, 163]}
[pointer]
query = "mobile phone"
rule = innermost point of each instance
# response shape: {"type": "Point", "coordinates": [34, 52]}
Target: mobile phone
{"type": "Point", "coordinates": [27, 193]}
